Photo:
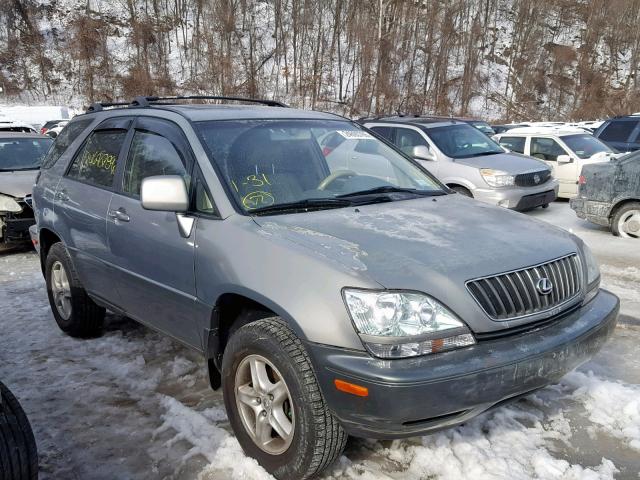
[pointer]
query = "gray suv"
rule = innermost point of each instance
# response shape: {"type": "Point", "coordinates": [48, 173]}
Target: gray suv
{"type": "Point", "coordinates": [330, 299]}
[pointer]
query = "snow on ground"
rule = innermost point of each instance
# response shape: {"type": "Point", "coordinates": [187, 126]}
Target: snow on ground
{"type": "Point", "coordinates": [134, 404]}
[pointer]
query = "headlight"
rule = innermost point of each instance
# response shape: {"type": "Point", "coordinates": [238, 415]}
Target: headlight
{"type": "Point", "coordinates": [593, 273]}
{"type": "Point", "coordinates": [8, 204]}
{"type": "Point", "coordinates": [497, 178]}
{"type": "Point", "coordinates": [404, 324]}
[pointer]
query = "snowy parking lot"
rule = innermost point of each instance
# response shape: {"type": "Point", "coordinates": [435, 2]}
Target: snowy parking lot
{"type": "Point", "coordinates": [136, 405]}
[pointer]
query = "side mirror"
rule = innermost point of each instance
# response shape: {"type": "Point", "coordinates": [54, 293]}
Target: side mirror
{"type": "Point", "coordinates": [422, 152]}
{"type": "Point", "coordinates": [166, 193]}
{"type": "Point", "coordinates": [564, 159]}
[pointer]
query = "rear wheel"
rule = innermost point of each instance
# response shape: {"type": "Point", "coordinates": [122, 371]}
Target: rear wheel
{"type": "Point", "coordinates": [626, 221]}
{"type": "Point", "coordinates": [18, 453]}
{"type": "Point", "coordinates": [274, 403]}
{"type": "Point", "coordinates": [75, 313]}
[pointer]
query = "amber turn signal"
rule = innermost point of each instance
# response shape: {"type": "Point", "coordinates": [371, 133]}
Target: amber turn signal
{"type": "Point", "coordinates": [351, 388]}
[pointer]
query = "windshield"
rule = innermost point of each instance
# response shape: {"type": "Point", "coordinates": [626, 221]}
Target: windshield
{"type": "Point", "coordinates": [463, 141]}
{"type": "Point", "coordinates": [585, 145]}
{"type": "Point", "coordinates": [23, 153]}
{"type": "Point", "coordinates": [484, 127]}
{"type": "Point", "coordinates": [267, 163]}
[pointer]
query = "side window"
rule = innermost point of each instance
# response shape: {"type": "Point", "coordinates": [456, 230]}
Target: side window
{"type": "Point", "coordinates": [97, 160]}
{"type": "Point", "coordinates": [546, 149]}
{"type": "Point", "coordinates": [406, 139]}
{"type": "Point", "coordinates": [618, 131]}
{"type": "Point", "coordinates": [150, 155]}
{"type": "Point", "coordinates": [63, 140]}
{"type": "Point", "coordinates": [385, 132]}
{"type": "Point", "coordinates": [515, 144]}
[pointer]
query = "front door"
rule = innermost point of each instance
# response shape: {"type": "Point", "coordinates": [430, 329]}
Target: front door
{"type": "Point", "coordinates": [548, 149]}
{"type": "Point", "coordinates": [82, 200]}
{"type": "Point", "coordinates": [154, 260]}
{"type": "Point", "coordinates": [406, 138]}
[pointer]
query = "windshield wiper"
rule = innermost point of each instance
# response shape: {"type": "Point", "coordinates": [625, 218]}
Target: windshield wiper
{"type": "Point", "coordinates": [480, 154]}
{"type": "Point", "coordinates": [392, 189]}
{"type": "Point", "coordinates": [18, 169]}
{"type": "Point", "coordinates": [306, 204]}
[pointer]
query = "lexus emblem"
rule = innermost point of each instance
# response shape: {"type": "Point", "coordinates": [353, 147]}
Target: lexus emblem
{"type": "Point", "coordinates": [536, 179]}
{"type": "Point", "coordinates": [544, 286]}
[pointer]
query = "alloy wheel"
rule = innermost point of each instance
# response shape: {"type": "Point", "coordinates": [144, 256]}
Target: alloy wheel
{"type": "Point", "coordinates": [264, 404]}
{"type": "Point", "coordinates": [61, 290]}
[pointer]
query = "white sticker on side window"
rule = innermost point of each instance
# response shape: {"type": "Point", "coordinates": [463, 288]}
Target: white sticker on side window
{"type": "Point", "coordinates": [355, 134]}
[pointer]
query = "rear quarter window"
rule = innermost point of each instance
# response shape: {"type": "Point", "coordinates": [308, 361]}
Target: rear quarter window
{"type": "Point", "coordinates": [64, 140]}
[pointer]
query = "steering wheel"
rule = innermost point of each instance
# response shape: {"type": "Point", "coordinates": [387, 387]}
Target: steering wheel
{"type": "Point", "coordinates": [334, 176]}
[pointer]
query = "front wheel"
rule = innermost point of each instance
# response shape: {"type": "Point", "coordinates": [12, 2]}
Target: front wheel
{"type": "Point", "coordinates": [274, 404]}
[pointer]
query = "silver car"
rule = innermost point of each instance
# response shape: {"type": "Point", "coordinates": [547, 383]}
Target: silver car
{"type": "Point", "coordinates": [469, 162]}
{"type": "Point", "coordinates": [20, 157]}
{"type": "Point", "coordinates": [329, 298]}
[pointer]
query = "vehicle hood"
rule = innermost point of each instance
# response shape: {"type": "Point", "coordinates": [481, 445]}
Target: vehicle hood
{"type": "Point", "coordinates": [512, 163]}
{"type": "Point", "coordinates": [17, 184]}
{"type": "Point", "coordinates": [433, 245]}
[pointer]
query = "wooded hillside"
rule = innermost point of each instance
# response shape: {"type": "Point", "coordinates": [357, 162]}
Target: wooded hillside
{"type": "Point", "coordinates": [508, 59]}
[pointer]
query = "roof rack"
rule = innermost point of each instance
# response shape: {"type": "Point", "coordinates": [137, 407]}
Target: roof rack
{"type": "Point", "coordinates": [146, 101]}
{"type": "Point", "coordinates": [99, 106]}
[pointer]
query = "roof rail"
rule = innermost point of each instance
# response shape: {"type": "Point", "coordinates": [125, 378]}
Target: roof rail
{"type": "Point", "coordinates": [146, 101]}
{"type": "Point", "coordinates": [99, 106]}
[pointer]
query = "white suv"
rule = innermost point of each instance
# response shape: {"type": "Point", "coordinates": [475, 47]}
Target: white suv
{"type": "Point", "coordinates": [564, 149]}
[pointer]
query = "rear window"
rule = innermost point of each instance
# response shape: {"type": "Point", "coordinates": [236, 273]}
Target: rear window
{"type": "Point", "coordinates": [618, 130]}
{"type": "Point", "coordinates": [96, 161]}
{"type": "Point", "coordinates": [64, 139]}
{"type": "Point", "coordinates": [515, 144]}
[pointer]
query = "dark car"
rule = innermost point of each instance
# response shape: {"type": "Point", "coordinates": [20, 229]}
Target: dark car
{"type": "Point", "coordinates": [621, 133]}
{"type": "Point", "coordinates": [609, 195]}
{"type": "Point", "coordinates": [18, 452]}
{"type": "Point", "coordinates": [506, 128]}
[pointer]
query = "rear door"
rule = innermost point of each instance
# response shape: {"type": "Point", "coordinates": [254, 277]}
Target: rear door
{"type": "Point", "coordinates": [155, 262]}
{"type": "Point", "coordinates": [81, 203]}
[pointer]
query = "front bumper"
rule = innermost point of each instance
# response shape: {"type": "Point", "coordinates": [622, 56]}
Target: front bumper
{"type": "Point", "coordinates": [15, 230]}
{"type": "Point", "coordinates": [595, 212]}
{"type": "Point", "coordinates": [414, 396]}
{"type": "Point", "coordinates": [519, 198]}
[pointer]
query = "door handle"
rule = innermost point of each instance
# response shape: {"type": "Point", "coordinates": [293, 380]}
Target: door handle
{"type": "Point", "coordinates": [119, 214]}
{"type": "Point", "coordinates": [62, 195]}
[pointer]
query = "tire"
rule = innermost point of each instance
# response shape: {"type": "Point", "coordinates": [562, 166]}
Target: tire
{"type": "Point", "coordinates": [18, 452]}
{"type": "Point", "coordinates": [462, 191]}
{"type": "Point", "coordinates": [84, 317]}
{"type": "Point", "coordinates": [624, 213]}
{"type": "Point", "coordinates": [317, 438]}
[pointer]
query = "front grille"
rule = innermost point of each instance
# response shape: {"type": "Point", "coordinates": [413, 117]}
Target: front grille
{"type": "Point", "coordinates": [515, 294]}
{"type": "Point", "coordinates": [533, 179]}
